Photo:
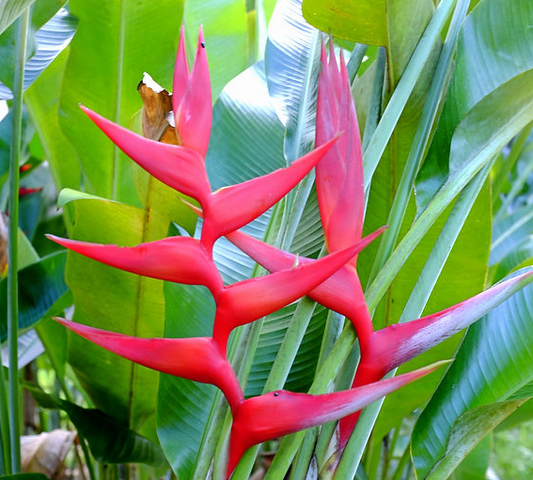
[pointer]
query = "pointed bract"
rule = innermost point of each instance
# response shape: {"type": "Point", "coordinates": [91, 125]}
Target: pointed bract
{"type": "Point", "coordinates": [180, 168]}
{"type": "Point", "coordinates": [341, 292]}
{"type": "Point", "coordinates": [196, 359]}
{"type": "Point", "coordinates": [181, 74]}
{"type": "Point", "coordinates": [394, 345]}
{"type": "Point", "coordinates": [340, 183]}
{"type": "Point", "coordinates": [246, 301]}
{"type": "Point", "coordinates": [175, 259]}
{"type": "Point", "coordinates": [232, 207]}
{"type": "Point", "coordinates": [275, 414]}
{"type": "Point", "coordinates": [191, 98]}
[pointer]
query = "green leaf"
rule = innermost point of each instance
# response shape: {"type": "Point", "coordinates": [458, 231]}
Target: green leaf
{"type": "Point", "coordinates": [28, 349]}
{"type": "Point", "coordinates": [292, 61]}
{"type": "Point", "coordinates": [492, 364]}
{"type": "Point", "coordinates": [469, 429]}
{"type": "Point", "coordinates": [51, 39]}
{"type": "Point", "coordinates": [510, 233]}
{"type": "Point", "coordinates": [41, 284]}
{"type": "Point", "coordinates": [68, 195]}
{"type": "Point", "coordinates": [476, 463]}
{"type": "Point", "coordinates": [26, 476]}
{"type": "Point", "coordinates": [189, 313]}
{"type": "Point", "coordinates": [491, 35]}
{"type": "Point", "coordinates": [5, 142]}
{"type": "Point", "coordinates": [105, 64]}
{"type": "Point", "coordinates": [226, 37]}
{"type": "Point", "coordinates": [364, 21]}
{"type": "Point", "coordinates": [109, 441]}
{"type": "Point", "coordinates": [109, 298]}
{"type": "Point", "coordinates": [42, 102]}
{"type": "Point", "coordinates": [10, 11]}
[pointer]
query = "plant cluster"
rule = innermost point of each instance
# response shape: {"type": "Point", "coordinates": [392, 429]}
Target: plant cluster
{"type": "Point", "coordinates": [331, 280]}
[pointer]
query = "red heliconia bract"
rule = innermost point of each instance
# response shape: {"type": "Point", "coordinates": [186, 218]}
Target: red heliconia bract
{"type": "Point", "coordinates": [336, 293]}
{"type": "Point", "coordinates": [197, 359]}
{"type": "Point", "coordinates": [275, 414]}
{"type": "Point", "coordinates": [232, 207]}
{"type": "Point", "coordinates": [23, 191]}
{"type": "Point", "coordinates": [246, 301]}
{"type": "Point", "coordinates": [179, 167]}
{"type": "Point", "coordinates": [175, 259]}
{"type": "Point", "coordinates": [339, 176]}
{"type": "Point", "coordinates": [191, 97]}
{"type": "Point", "coordinates": [183, 169]}
{"type": "Point", "coordinates": [396, 344]}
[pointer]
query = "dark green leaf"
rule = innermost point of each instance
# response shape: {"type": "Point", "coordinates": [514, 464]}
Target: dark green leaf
{"type": "Point", "coordinates": [109, 441]}
{"type": "Point", "coordinates": [41, 284]}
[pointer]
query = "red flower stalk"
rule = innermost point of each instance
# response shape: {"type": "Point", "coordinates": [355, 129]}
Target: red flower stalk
{"type": "Point", "coordinates": [335, 293]}
{"type": "Point", "coordinates": [197, 359]}
{"type": "Point", "coordinates": [396, 344]}
{"type": "Point", "coordinates": [191, 97]}
{"type": "Point", "coordinates": [246, 301]}
{"type": "Point", "coordinates": [274, 414]}
{"type": "Point", "coordinates": [175, 259]}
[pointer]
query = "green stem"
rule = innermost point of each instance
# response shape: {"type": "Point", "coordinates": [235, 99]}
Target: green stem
{"type": "Point", "coordinates": [14, 394]}
{"type": "Point", "coordinates": [516, 188]}
{"type": "Point", "coordinates": [376, 97]}
{"type": "Point", "coordinates": [402, 464]}
{"type": "Point", "coordinates": [4, 424]}
{"type": "Point", "coordinates": [355, 60]}
{"type": "Point", "coordinates": [421, 139]}
{"type": "Point", "coordinates": [387, 124]}
{"type": "Point", "coordinates": [510, 161]}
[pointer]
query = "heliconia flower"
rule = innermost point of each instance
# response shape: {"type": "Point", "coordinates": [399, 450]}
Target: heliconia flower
{"type": "Point", "coordinates": [175, 259]}
{"type": "Point", "coordinates": [339, 176]}
{"type": "Point", "coordinates": [197, 359]}
{"type": "Point", "coordinates": [396, 344]}
{"type": "Point", "coordinates": [274, 414]}
{"type": "Point", "coordinates": [251, 299]}
{"type": "Point", "coordinates": [335, 293]}
{"type": "Point", "coordinates": [191, 97]}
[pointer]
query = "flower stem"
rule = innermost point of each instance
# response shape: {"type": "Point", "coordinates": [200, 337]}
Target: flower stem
{"type": "Point", "coordinates": [18, 86]}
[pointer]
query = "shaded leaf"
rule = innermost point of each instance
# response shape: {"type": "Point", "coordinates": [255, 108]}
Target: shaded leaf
{"type": "Point", "coordinates": [51, 39]}
{"type": "Point", "coordinates": [109, 441]}
{"type": "Point", "coordinates": [41, 285]}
